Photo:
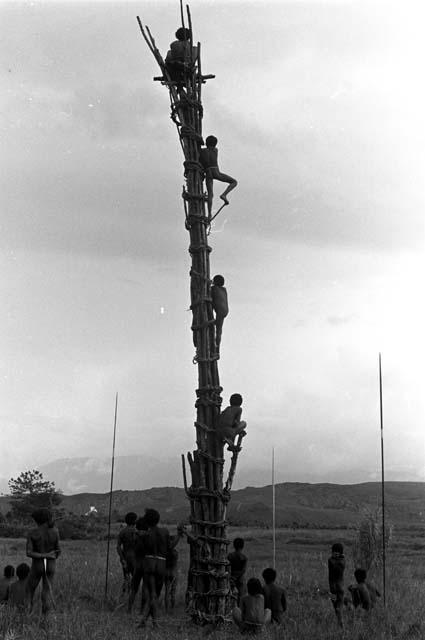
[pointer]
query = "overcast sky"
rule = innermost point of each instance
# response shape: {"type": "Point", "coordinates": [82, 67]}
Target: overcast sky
{"type": "Point", "coordinates": [319, 109]}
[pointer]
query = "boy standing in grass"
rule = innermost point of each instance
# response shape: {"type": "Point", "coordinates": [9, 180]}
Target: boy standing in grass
{"type": "Point", "coordinates": [238, 562]}
{"type": "Point", "coordinates": [6, 581]}
{"type": "Point", "coordinates": [126, 545]}
{"type": "Point", "coordinates": [43, 547]}
{"type": "Point", "coordinates": [252, 616]}
{"type": "Point", "coordinates": [274, 596]}
{"type": "Point", "coordinates": [336, 566]}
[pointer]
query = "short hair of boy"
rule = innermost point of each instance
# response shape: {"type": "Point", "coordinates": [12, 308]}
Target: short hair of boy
{"type": "Point", "coordinates": [151, 517]}
{"type": "Point", "coordinates": [269, 575]}
{"type": "Point", "coordinates": [360, 575]}
{"type": "Point", "coordinates": [337, 548]}
{"type": "Point", "coordinates": [218, 280]}
{"type": "Point", "coordinates": [238, 543]}
{"type": "Point", "coordinates": [141, 524]}
{"type": "Point", "coordinates": [254, 587]}
{"type": "Point", "coordinates": [130, 518]}
{"type": "Point", "coordinates": [9, 571]}
{"type": "Point", "coordinates": [41, 516]}
{"type": "Point", "coordinates": [235, 400]}
{"type": "Point", "coordinates": [182, 34]}
{"type": "Point", "coordinates": [211, 141]}
{"type": "Point", "coordinates": [22, 570]}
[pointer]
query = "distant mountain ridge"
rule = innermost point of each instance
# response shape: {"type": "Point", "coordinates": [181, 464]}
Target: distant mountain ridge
{"type": "Point", "coordinates": [297, 504]}
{"type": "Point", "coordinates": [142, 471]}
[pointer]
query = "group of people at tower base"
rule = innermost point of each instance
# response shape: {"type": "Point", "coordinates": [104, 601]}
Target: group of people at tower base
{"type": "Point", "coordinates": [43, 549]}
{"type": "Point", "coordinates": [148, 556]}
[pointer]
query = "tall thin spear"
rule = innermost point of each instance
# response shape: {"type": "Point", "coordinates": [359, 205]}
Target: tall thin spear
{"type": "Point", "coordinates": [273, 511]}
{"type": "Point", "coordinates": [381, 412]}
{"type": "Point", "coordinates": [110, 496]}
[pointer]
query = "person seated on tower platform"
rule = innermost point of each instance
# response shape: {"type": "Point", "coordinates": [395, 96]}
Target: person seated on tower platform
{"type": "Point", "coordinates": [208, 157]}
{"type": "Point", "coordinates": [229, 423]}
{"type": "Point", "coordinates": [181, 56]}
{"type": "Point", "coordinates": [274, 596]}
{"type": "Point", "coordinates": [220, 306]}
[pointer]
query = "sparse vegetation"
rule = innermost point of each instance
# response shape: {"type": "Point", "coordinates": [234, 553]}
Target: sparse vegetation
{"type": "Point", "coordinates": [81, 613]}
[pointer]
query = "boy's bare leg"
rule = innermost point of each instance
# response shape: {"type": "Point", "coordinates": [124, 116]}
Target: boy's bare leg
{"type": "Point", "coordinates": [209, 182]}
{"type": "Point", "coordinates": [230, 188]}
{"type": "Point", "coordinates": [223, 177]}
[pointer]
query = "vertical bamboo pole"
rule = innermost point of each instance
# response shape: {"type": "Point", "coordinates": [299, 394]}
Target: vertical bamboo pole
{"type": "Point", "coordinates": [274, 511]}
{"type": "Point", "coordinates": [381, 416]}
{"type": "Point", "coordinates": [110, 497]}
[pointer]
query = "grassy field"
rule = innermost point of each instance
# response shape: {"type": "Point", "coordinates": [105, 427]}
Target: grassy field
{"type": "Point", "coordinates": [82, 614]}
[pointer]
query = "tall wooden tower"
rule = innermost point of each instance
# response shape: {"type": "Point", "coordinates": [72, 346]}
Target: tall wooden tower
{"type": "Point", "coordinates": [209, 594]}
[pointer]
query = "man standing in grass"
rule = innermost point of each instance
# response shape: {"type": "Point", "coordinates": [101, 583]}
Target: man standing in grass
{"type": "Point", "coordinates": [43, 548]}
{"type": "Point", "coordinates": [126, 546]}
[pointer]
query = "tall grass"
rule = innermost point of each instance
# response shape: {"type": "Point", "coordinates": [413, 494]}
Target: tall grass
{"type": "Point", "coordinates": [82, 614]}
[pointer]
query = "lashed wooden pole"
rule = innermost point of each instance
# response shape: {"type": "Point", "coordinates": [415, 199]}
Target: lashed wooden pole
{"type": "Point", "coordinates": [209, 594]}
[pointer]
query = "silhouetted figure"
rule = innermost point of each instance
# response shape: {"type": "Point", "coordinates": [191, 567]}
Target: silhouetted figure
{"type": "Point", "coordinates": [220, 306]}
{"type": "Point", "coordinates": [238, 562]}
{"type": "Point", "coordinates": [252, 615]}
{"type": "Point", "coordinates": [363, 594]}
{"type": "Point", "coordinates": [336, 566]}
{"type": "Point", "coordinates": [181, 57]}
{"type": "Point", "coordinates": [43, 547]}
{"type": "Point", "coordinates": [229, 423]}
{"type": "Point", "coordinates": [18, 593]}
{"type": "Point", "coordinates": [274, 596]}
{"type": "Point", "coordinates": [208, 157]}
{"type": "Point", "coordinates": [126, 545]}
{"type": "Point", "coordinates": [6, 581]}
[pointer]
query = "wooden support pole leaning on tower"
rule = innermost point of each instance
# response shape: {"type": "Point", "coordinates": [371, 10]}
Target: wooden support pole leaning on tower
{"type": "Point", "coordinates": [210, 598]}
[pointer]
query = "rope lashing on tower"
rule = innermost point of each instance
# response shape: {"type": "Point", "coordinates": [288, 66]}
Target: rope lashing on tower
{"type": "Point", "coordinates": [181, 73]}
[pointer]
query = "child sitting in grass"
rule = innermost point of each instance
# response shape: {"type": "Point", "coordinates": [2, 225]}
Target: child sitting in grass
{"type": "Point", "coordinates": [6, 581]}
{"type": "Point", "coordinates": [252, 616]}
{"type": "Point", "coordinates": [363, 594]}
{"type": "Point", "coordinates": [18, 594]}
{"type": "Point", "coordinates": [274, 595]}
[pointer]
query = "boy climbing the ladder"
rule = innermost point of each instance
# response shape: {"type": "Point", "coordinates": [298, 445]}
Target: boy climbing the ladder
{"type": "Point", "coordinates": [208, 157]}
{"type": "Point", "coordinates": [220, 306]}
{"type": "Point", "coordinates": [230, 424]}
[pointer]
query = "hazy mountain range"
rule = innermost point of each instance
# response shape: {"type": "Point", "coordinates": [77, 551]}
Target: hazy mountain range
{"type": "Point", "coordinates": [139, 472]}
{"type": "Point", "coordinates": [297, 504]}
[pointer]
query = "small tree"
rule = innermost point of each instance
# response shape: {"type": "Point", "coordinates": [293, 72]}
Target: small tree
{"type": "Point", "coordinates": [367, 548]}
{"type": "Point", "coordinates": [29, 492]}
